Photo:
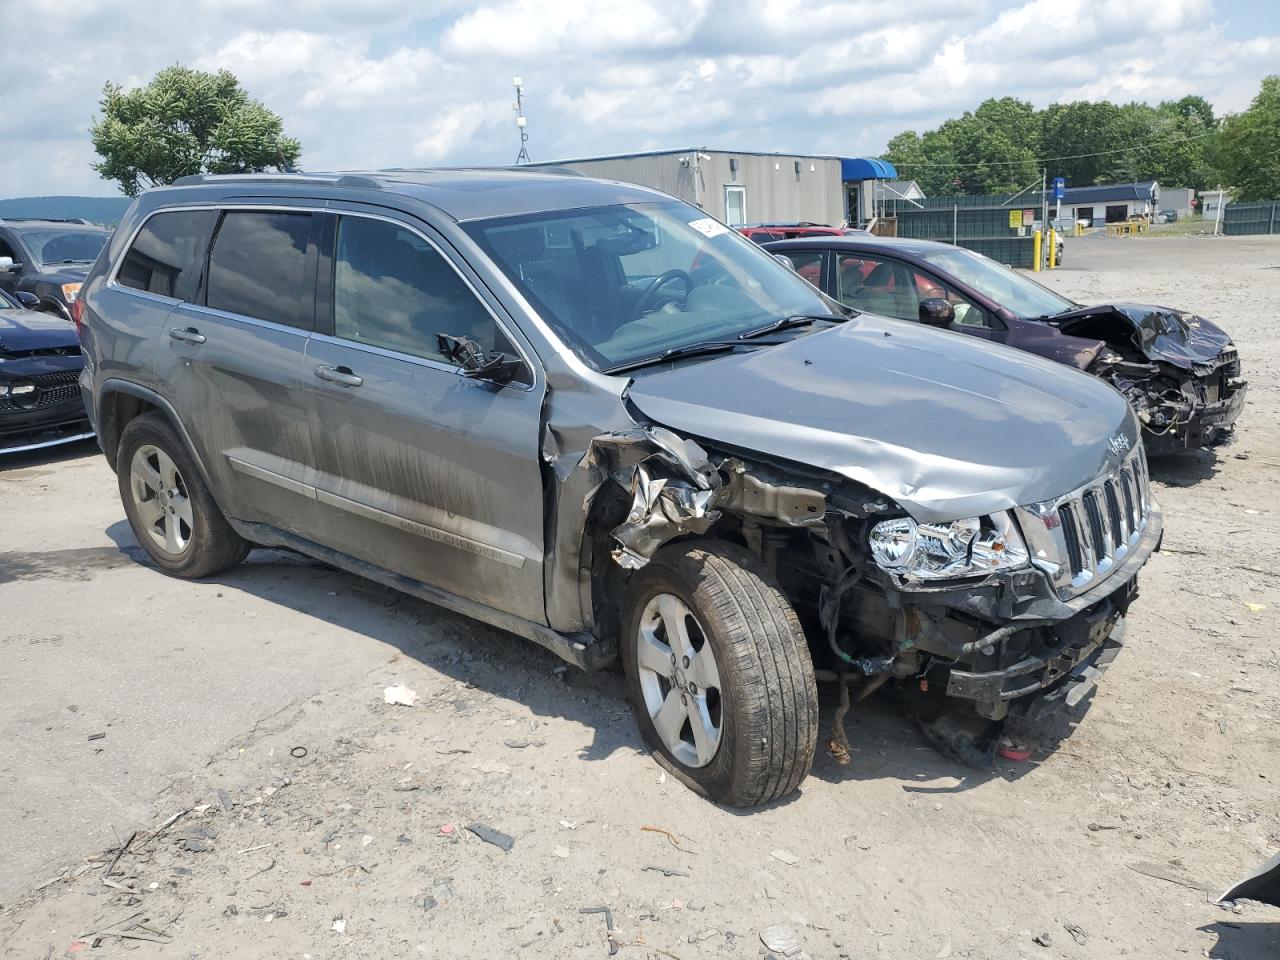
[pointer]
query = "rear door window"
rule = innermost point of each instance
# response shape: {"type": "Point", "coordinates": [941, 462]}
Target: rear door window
{"type": "Point", "coordinates": [167, 257]}
{"type": "Point", "coordinates": [392, 289]}
{"type": "Point", "coordinates": [260, 267]}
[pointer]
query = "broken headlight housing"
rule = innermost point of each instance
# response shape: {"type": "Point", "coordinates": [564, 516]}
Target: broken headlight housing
{"type": "Point", "coordinates": [971, 547]}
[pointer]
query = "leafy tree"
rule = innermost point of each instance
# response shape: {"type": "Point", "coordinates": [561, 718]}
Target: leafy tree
{"type": "Point", "coordinates": [185, 122]}
{"type": "Point", "coordinates": [1248, 153]}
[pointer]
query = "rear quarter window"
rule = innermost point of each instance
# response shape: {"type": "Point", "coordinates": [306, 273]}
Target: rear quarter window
{"type": "Point", "coordinates": [167, 256]}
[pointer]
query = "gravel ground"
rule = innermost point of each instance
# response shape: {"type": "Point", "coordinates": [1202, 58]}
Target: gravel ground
{"type": "Point", "coordinates": [319, 821]}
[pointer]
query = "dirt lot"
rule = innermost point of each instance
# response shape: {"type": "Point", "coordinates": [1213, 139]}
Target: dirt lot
{"type": "Point", "coordinates": [318, 821]}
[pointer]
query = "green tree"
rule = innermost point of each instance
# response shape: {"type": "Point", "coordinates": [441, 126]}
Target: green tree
{"type": "Point", "coordinates": [1248, 151]}
{"type": "Point", "coordinates": [185, 122]}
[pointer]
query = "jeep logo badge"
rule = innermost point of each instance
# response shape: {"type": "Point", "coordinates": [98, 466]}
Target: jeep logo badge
{"type": "Point", "coordinates": [1118, 444]}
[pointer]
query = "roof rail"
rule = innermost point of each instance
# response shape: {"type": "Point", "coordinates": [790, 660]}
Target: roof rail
{"type": "Point", "coordinates": [337, 179]}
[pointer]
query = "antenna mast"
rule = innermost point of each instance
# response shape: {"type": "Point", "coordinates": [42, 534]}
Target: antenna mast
{"type": "Point", "coordinates": [518, 106]}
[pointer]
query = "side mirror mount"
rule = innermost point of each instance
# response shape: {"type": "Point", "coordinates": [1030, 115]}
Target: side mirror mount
{"type": "Point", "coordinates": [785, 261]}
{"type": "Point", "coordinates": [474, 362]}
{"type": "Point", "coordinates": [9, 265]}
{"type": "Point", "coordinates": [27, 299]}
{"type": "Point", "coordinates": [936, 312]}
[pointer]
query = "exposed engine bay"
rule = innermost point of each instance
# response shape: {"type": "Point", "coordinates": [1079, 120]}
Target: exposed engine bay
{"type": "Point", "coordinates": [1179, 372]}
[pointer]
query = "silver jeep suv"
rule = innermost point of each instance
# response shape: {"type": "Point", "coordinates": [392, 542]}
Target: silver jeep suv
{"type": "Point", "coordinates": [593, 416]}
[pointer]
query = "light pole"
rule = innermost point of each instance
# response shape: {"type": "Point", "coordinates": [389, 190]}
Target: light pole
{"type": "Point", "coordinates": [518, 106]}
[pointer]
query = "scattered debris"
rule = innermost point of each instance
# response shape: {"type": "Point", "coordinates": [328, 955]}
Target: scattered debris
{"type": "Point", "coordinates": [400, 695]}
{"type": "Point", "coordinates": [781, 940]}
{"type": "Point", "coordinates": [106, 874]}
{"type": "Point", "coordinates": [133, 927]}
{"type": "Point", "coordinates": [521, 744]}
{"type": "Point", "coordinates": [561, 852]}
{"type": "Point", "coordinates": [490, 835]}
{"type": "Point", "coordinates": [568, 825]}
{"type": "Point", "coordinates": [261, 846]}
{"type": "Point", "coordinates": [1251, 607]}
{"type": "Point", "coordinates": [1077, 932]}
{"type": "Point", "coordinates": [667, 871]}
{"type": "Point", "coordinates": [1096, 827]}
{"type": "Point", "coordinates": [298, 752]}
{"type": "Point", "coordinates": [447, 829]}
{"type": "Point", "coordinates": [1017, 752]}
{"type": "Point", "coordinates": [340, 925]}
{"type": "Point", "coordinates": [97, 736]}
{"type": "Point", "coordinates": [225, 799]}
{"type": "Point", "coordinates": [786, 856]}
{"type": "Point", "coordinates": [1043, 939]}
{"type": "Point", "coordinates": [675, 841]}
{"type": "Point", "coordinates": [608, 922]}
{"type": "Point", "coordinates": [1161, 872]}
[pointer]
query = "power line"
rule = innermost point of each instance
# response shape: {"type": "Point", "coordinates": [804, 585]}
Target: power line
{"type": "Point", "coordinates": [1045, 160]}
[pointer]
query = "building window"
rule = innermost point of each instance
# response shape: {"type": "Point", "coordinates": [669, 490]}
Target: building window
{"type": "Point", "coordinates": [735, 206]}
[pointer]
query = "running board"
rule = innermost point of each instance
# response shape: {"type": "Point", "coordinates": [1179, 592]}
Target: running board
{"type": "Point", "coordinates": [580, 649]}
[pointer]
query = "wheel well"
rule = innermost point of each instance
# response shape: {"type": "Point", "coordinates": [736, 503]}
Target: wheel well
{"type": "Point", "coordinates": [117, 409]}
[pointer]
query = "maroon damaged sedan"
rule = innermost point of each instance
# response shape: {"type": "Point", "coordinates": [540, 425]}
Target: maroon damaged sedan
{"type": "Point", "coordinates": [1180, 372]}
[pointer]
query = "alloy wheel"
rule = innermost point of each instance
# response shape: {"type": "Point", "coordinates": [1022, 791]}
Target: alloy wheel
{"type": "Point", "coordinates": [680, 680]}
{"type": "Point", "coordinates": [161, 500]}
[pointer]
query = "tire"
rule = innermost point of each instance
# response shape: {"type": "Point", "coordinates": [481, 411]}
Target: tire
{"type": "Point", "coordinates": [171, 511]}
{"type": "Point", "coordinates": [759, 685]}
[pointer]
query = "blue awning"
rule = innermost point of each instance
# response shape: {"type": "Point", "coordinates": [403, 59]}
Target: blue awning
{"type": "Point", "coordinates": [866, 168]}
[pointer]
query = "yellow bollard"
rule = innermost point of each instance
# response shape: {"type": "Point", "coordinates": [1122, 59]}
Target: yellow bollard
{"type": "Point", "coordinates": [1053, 249]}
{"type": "Point", "coordinates": [1035, 245]}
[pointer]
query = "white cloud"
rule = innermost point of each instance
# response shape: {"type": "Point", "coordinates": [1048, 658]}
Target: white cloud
{"type": "Point", "coordinates": [367, 83]}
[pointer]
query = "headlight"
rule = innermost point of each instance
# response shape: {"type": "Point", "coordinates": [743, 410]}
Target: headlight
{"type": "Point", "coordinates": [958, 548]}
{"type": "Point", "coordinates": [70, 291]}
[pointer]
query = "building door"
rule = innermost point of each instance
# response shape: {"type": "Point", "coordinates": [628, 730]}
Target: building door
{"type": "Point", "coordinates": [1117, 212]}
{"type": "Point", "coordinates": [735, 206]}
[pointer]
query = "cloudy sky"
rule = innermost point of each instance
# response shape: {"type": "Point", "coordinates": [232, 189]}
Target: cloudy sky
{"type": "Point", "coordinates": [367, 83]}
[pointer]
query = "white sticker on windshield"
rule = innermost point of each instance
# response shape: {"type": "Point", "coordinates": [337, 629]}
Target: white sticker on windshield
{"type": "Point", "coordinates": [708, 227]}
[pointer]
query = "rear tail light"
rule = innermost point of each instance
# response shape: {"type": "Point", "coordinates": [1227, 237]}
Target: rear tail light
{"type": "Point", "coordinates": [77, 315]}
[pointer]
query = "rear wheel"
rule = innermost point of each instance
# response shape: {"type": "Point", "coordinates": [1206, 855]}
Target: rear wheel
{"type": "Point", "coordinates": [171, 511]}
{"type": "Point", "coordinates": [719, 673]}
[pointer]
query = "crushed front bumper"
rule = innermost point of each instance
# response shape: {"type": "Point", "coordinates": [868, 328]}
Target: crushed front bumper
{"type": "Point", "coordinates": [1208, 425]}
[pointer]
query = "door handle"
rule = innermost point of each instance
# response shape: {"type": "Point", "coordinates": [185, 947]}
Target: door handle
{"type": "Point", "coordinates": [342, 375]}
{"type": "Point", "coordinates": [187, 335]}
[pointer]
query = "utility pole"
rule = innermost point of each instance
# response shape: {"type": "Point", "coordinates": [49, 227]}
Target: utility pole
{"type": "Point", "coordinates": [518, 106]}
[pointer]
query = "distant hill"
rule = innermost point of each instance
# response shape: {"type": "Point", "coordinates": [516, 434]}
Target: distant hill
{"type": "Point", "coordinates": [104, 210]}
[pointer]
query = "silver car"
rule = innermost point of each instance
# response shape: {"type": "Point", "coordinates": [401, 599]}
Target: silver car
{"type": "Point", "coordinates": [594, 416]}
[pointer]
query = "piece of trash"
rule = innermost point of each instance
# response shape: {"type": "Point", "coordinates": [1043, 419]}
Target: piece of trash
{"type": "Point", "coordinates": [400, 695]}
{"type": "Point", "coordinates": [945, 951]}
{"type": "Point", "coordinates": [448, 829]}
{"type": "Point", "coordinates": [839, 752]}
{"type": "Point", "coordinates": [1096, 827]}
{"type": "Point", "coordinates": [490, 835]}
{"type": "Point", "coordinates": [1251, 607]}
{"type": "Point", "coordinates": [668, 871]}
{"type": "Point", "coordinates": [1013, 751]}
{"type": "Point", "coordinates": [521, 744]}
{"type": "Point", "coordinates": [783, 940]}
{"type": "Point", "coordinates": [97, 736]}
{"type": "Point", "coordinates": [662, 776]}
{"type": "Point", "coordinates": [666, 833]}
{"type": "Point", "coordinates": [340, 925]}
{"type": "Point", "coordinates": [366, 840]}
{"type": "Point", "coordinates": [306, 883]}
{"type": "Point", "coordinates": [786, 856]}
{"type": "Point", "coordinates": [1043, 939]}
{"type": "Point", "coordinates": [561, 852]}
{"type": "Point", "coordinates": [608, 925]}
{"type": "Point", "coordinates": [298, 752]}
{"type": "Point", "coordinates": [1077, 932]}
{"type": "Point", "coordinates": [225, 799]}
{"type": "Point", "coordinates": [568, 825]}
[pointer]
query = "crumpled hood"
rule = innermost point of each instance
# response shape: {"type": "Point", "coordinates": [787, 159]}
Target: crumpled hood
{"type": "Point", "coordinates": [1161, 333]}
{"type": "Point", "coordinates": [947, 426]}
{"type": "Point", "coordinates": [22, 330]}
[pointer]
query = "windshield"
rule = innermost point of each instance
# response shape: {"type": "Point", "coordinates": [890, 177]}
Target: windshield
{"type": "Point", "coordinates": [628, 282]}
{"type": "Point", "coordinates": [64, 246]}
{"type": "Point", "coordinates": [1010, 289]}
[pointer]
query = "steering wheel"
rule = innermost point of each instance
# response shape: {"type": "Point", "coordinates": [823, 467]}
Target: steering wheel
{"type": "Point", "coordinates": [644, 304]}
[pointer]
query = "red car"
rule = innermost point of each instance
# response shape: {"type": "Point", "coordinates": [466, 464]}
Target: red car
{"type": "Point", "coordinates": [764, 232]}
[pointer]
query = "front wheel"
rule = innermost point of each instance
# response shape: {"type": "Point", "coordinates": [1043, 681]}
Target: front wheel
{"type": "Point", "coordinates": [719, 674]}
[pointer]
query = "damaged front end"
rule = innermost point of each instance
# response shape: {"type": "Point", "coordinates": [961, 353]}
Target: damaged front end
{"type": "Point", "coordinates": [1179, 372]}
{"type": "Point", "coordinates": [1015, 613]}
